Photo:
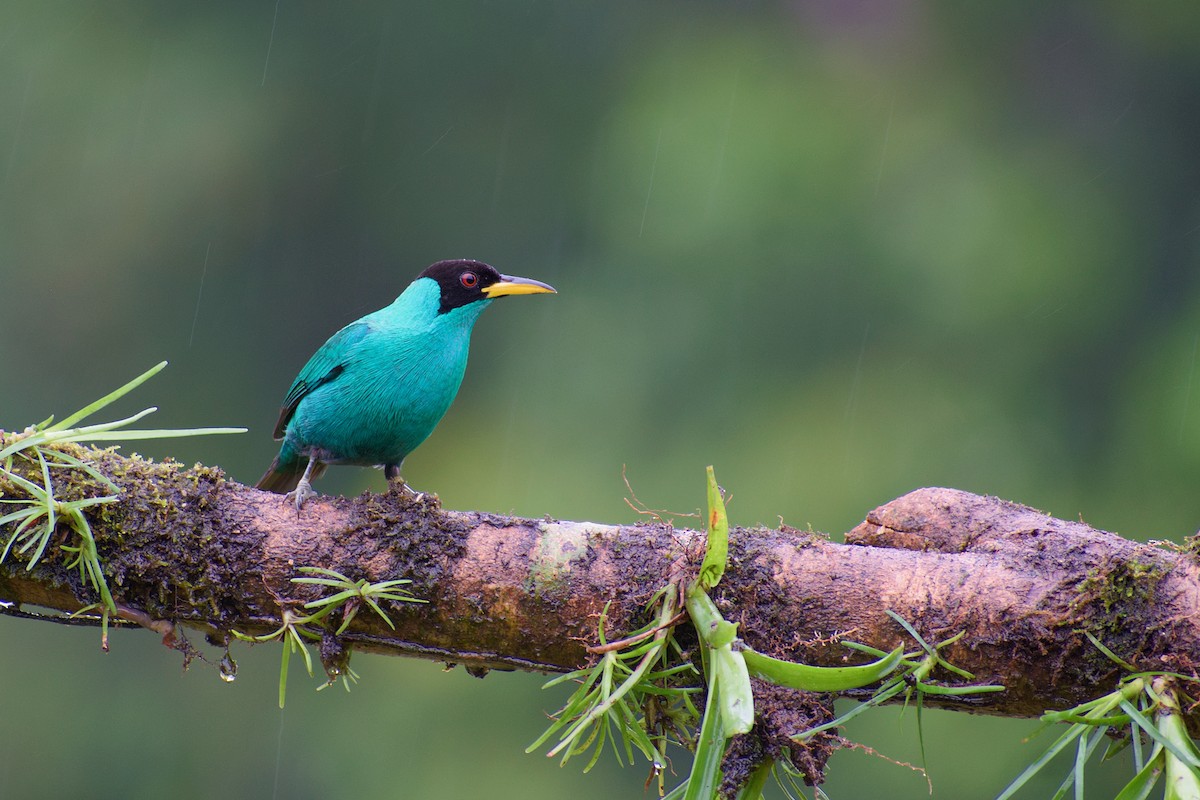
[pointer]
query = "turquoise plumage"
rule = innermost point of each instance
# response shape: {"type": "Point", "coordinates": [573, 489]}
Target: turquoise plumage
{"type": "Point", "coordinates": [378, 387]}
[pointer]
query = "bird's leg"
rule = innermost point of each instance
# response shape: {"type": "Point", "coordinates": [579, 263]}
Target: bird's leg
{"type": "Point", "coordinates": [395, 481]}
{"type": "Point", "coordinates": [303, 490]}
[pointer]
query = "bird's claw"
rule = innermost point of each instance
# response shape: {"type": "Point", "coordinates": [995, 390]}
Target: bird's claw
{"type": "Point", "coordinates": [301, 494]}
{"type": "Point", "coordinates": [398, 484]}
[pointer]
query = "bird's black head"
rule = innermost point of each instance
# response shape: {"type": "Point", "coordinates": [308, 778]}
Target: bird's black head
{"type": "Point", "coordinates": [461, 281]}
{"type": "Point", "coordinates": [464, 280]}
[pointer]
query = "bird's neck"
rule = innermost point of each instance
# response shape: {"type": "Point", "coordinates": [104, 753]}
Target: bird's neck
{"type": "Point", "coordinates": [417, 307]}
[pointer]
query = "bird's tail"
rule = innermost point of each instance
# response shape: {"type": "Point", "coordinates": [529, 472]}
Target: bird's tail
{"type": "Point", "coordinates": [283, 474]}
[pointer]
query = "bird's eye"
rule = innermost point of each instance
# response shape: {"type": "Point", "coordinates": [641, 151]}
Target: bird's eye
{"type": "Point", "coordinates": [469, 280]}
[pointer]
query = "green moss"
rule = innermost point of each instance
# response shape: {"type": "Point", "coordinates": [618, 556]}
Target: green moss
{"type": "Point", "coordinates": [1129, 582]}
{"type": "Point", "coordinates": [1114, 596]}
{"type": "Point", "coordinates": [1190, 546]}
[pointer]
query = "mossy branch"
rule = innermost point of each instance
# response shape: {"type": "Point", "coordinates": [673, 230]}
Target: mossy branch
{"type": "Point", "coordinates": [1036, 613]}
{"type": "Point", "coordinates": [199, 550]}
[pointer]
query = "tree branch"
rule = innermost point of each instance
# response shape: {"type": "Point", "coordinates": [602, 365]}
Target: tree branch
{"type": "Point", "coordinates": [190, 546]}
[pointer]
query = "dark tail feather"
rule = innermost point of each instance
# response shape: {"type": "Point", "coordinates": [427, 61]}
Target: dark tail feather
{"type": "Point", "coordinates": [282, 478]}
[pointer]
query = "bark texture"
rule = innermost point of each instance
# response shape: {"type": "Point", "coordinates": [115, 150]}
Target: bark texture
{"type": "Point", "coordinates": [189, 546]}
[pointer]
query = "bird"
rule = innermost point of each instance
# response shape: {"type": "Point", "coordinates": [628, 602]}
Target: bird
{"type": "Point", "coordinates": [378, 387]}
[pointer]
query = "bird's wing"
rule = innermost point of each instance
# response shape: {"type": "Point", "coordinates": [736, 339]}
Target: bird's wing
{"type": "Point", "coordinates": [324, 366]}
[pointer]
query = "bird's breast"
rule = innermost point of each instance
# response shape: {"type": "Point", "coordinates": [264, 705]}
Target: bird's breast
{"type": "Point", "coordinates": [387, 401]}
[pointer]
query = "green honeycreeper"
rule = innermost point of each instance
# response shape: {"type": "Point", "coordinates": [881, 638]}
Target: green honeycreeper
{"type": "Point", "coordinates": [373, 392]}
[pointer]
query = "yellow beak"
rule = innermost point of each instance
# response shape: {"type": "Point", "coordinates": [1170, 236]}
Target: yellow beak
{"type": "Point", "coordinates": [509, 284]}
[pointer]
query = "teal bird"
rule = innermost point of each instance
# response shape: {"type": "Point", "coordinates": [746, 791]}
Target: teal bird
{"type": "Point", "coordinates": [377, 389]}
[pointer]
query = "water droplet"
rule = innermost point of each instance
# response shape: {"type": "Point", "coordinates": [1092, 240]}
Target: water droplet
{"type": "Point", "coordinates": [228, 668]}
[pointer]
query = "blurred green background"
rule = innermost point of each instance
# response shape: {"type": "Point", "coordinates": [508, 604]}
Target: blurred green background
{"type": "Point", "coordinates": [838, 250]}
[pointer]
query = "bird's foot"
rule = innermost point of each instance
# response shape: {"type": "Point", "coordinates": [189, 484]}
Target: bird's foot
{"type": "Point", "coordinates": [398, 484]}
{"type": "Point", "coordinates": [301, 494]}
